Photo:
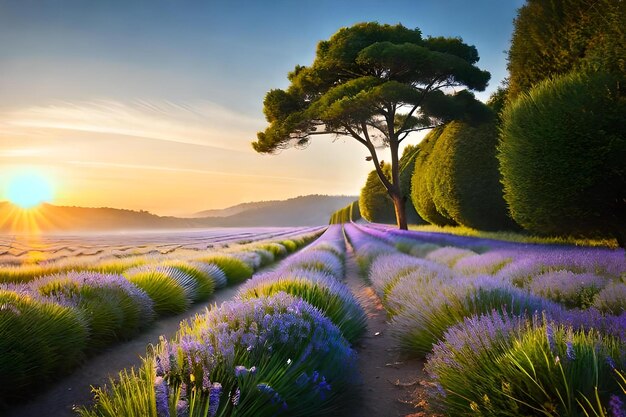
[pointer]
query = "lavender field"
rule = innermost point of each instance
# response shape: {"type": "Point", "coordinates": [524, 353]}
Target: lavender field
{"type": "Point", "coordinates": [502, 328]}
{"type": "Point", "coordinates": [505, 329]}
{"type": "Point", "coordinates": [90, 291]}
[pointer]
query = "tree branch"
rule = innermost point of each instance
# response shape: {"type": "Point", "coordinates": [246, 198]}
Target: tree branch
{"type": "Point", "coordinates": [381, 175]}
{"type": "Point", "coordinates": [406, 132]}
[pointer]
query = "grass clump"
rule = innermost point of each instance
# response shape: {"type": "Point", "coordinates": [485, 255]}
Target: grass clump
{"type": "Point", "coordinates": [432, 309]}
{"type": "Point", "coordinates": [204, 280]}
{"type": "Point", "coordinates": [498, 366]}
{"type": "Point", "coordinates": [290, 245]}
{"type": "Point", "coordinates": [40, 341]}
{"type": "Point", "coordinates": [235, 269]}
{"type": "Point", "coordinates": [112, 307]}
{"type": "Point", "coordinates": [168, 295]}
{"type": "Point", "coordinates": [132, 394]}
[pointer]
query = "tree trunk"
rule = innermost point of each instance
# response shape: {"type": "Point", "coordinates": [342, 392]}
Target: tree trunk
{"type": "Point", "coordinates": [399, 206]}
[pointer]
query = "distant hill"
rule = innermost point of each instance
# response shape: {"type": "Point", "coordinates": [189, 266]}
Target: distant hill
{"type": "Point", "coordinates": [308, 210]}
{"type": "Point", "coordinates": [239, 208]}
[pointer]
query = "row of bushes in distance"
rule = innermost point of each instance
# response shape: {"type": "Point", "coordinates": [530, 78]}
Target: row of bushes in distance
{"type": "Point", "coordinates": [82, 312]}
{"type": "Point", "coordinates": [275, 350]}
{"type": "Point", "coordinates": [116, 263]}
{"type": "Point", "coordinates": [495, 347]}
{"type": "Point", "coordinates": [349, 213]}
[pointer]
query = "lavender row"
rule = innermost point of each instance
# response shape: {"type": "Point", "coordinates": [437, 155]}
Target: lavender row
{"type": "Point", "coordinates": [493, 324]}
{"type": "Point", "coordinates": [97, 309]}
{"type": "Point", "coordinates": [279, 348]}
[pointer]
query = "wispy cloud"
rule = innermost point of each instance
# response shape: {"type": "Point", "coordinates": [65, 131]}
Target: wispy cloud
{"type": "Point", "coordinates": [276, 178]}
{"type": "Point", "coordinates": [22, 152]}
{"type": "Point", "coordinates": [198, 123]}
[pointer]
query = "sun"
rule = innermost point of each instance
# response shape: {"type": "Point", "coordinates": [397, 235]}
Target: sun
{"type": "Point", "coordinates": [28, 190]}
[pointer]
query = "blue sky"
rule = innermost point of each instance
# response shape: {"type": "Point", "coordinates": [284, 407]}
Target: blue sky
{"type": "Point", "coordinates": [68, 68]}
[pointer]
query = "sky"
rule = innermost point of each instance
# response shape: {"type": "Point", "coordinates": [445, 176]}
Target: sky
{"type": "Point", "coordinates": [153, 104]}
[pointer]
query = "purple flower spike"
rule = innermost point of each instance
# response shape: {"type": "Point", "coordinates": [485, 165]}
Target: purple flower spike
{"type": "Point", "coordinates": [182, 408]}
{"type": "Point", "coordinates": [236, 396]}
{"type": "Point", "coordinates": [161, 393]}
{"type": "Point", "coordinates": [550, 337]}
{"type": "Point", "coordinates": [616, 406]}
{"type": "Point", "coordinates": [214, 398]}
{"type": "Point", "coordinates": [571, 355]}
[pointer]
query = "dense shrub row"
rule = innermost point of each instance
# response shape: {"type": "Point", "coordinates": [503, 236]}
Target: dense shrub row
{"type": "Point", "coordinates": [512, 330]}
{"type": "Point", "coordinates": [556, 139]}
{"type": "Point", "coordinates": [279, 348]}
{"type": "Point", "coordinates": [49, 324]}
{"type": "Point", "coordinates": [349, 213]}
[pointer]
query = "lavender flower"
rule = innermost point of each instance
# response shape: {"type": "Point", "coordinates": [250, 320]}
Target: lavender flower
{"type": "Point", "coordinates": [214, 398]}
{"type": "Point", "coordinates": [182, 408]}
{"type": "Point", "coordinates": [571, 355]}
{"type": "Point", "coordinates": [161, 394]}
{"type": "Point", "coordinates": [206, 383]}
{"type": "Point", "coordinates": [569, 288]}
{"type": "Point", "coordinates": [616, 406]}
{"type": "Point", "coordinates": [610, 362]}
{"type": "Point", "coordinates": [241, 371]}
{"type": "Point", "coordinates": [449, 255]}
{"type": "Point", "coordinates": [550, 337]}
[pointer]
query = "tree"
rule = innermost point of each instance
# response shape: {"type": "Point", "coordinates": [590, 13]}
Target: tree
{"type": "Point", "coordinates": [374, 201]}
{"type": "Point", "coordinates": [376, 84]}
{"type": "Point", "coordinates": [554, 37]}
{"type": "Point", "coordinates": [562, 154]}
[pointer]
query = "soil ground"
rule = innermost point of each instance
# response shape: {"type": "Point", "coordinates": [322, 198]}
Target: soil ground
{"type": "Point", "coordinates": [393, 384]}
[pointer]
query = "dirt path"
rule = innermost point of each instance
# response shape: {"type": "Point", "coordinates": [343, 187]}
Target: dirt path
{"type": "Point", "coordinates": [75, 389]}
{"type": "Point", "coordinates": [393, 385]}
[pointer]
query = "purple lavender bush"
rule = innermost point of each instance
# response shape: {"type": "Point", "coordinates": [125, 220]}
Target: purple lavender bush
{"type": "Point", "coordinates": [487, 263]}
{"type": "Point", "coordinates": [449, 255]}
{"type": "Point", "coordinates": [612, 299]}
{"type": "Point", "coordinates": [274, 355]}
{"type": "Point", "coordinates": [317, 288]}
{"type": "Point", "coordinates": [494, 365]}
{"type": "Point", "coordinates": [112, 307]}
{"type": "Point", "coordinates": [568, 288]}
{"type": "Point", "coordinates": [431, 310]}
{"type": "Point", "coordinates": [386, 270]}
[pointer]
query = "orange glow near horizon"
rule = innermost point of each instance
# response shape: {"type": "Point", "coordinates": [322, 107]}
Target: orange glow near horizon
{"type": "Point", "coordinates": [19, 220]}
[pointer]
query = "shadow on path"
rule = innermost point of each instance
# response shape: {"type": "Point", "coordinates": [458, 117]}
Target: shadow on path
{"type": "Point", "coordinates": [393, 385]}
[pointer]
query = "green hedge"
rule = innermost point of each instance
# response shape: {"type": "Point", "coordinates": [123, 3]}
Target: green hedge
{"type": "Point", "coordinates": [464, 179]}
{"type": "Point", "coordinates": [552, 38]}
{"type": "Point", "coordinates": [347, 214]}
{"type": "Point", "coordinates": [562, 156]}
{"type": "Point", "coordinates": [420, 194]}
